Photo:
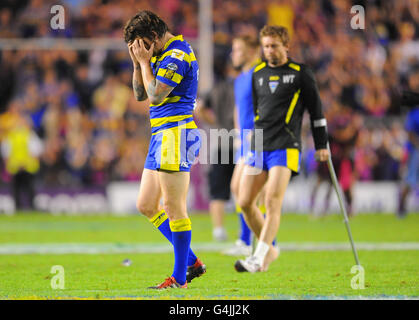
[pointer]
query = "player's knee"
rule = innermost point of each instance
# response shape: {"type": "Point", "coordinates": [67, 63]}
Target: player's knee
{"type": "Point", "coordinates": [245, 203]}
{"type": "Point", "coordinates": [174, 208]}
{"type": "Point", "coordinates": [145, 208]}
{"type": "Point", "coordinates": [273, 204]}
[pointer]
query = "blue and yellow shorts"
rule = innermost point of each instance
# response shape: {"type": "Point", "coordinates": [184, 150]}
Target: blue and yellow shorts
{"type": "Point", "coordinates": [174, 149]}
{"type": "Point", "coordinates": [265, 160]}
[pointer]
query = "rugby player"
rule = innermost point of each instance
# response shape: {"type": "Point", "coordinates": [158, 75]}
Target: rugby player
{"type": "Point", "coordinates": [166, 72]}
{"type": "Point", "coordinates": [245, 55]}
{"type": "Point", "coordinates": [282, 90]}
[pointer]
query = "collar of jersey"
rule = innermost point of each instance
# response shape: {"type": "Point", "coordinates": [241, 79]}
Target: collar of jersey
{"type": "Point", "coordinates": [282, 65]}
{"type": "Point", "coordinates": [167, 44]}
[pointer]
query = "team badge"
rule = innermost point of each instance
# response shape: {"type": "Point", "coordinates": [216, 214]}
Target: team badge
{"type": "Point", "coordinates": [171, 68]}
{"type": "Point", "coordinates": [273, 85]}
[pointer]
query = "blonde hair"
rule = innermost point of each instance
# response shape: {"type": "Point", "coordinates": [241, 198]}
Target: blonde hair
{"type": "Point", "coordinates": [276, 31]}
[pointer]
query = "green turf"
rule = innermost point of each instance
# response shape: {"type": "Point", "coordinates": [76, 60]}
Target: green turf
{"type": "Point", "coordinates": [294, 275]}
{"type": "Point", "coordinates": [39, 228]}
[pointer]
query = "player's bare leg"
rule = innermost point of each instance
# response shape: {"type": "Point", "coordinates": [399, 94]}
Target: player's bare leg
{"type": "Point", "coordinates": [148, 200]}
{"type": "Point", "coordinates": [174, 186]}
{"type": "Point", "coordinates": [260, 202]}
{"type": "Point", "coordinates": [236, 190]}
{"type": "Point", "coordinates": [265, 252]}
{"type": "Point", "coordinates": [243, 245]}
{"type": "Point", "coordinates": [148, 203]}
{"type": "Point", "coordinates": [250, 187]}
{"type": "Point", "coordinates": [261, 197]}
{"type": "Point", "coordinates": [235, 179]}
{"type": "Point", "coordinates": [276, 186]}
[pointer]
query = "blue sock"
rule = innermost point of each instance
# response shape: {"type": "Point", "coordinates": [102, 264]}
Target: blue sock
{"type": "Point", "coordinates": [181, 236]}
{"type": "Point", "coordinates": [245, 232]}
{"type": "Point", "coordinates": [161, 221]}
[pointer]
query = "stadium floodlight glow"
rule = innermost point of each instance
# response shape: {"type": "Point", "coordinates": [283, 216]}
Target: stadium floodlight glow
{"type": "Point", "coordinates": [341, 202]}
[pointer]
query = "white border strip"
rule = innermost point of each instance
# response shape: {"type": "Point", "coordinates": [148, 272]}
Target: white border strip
{"type": "Point", "coordinates": [110, 248]}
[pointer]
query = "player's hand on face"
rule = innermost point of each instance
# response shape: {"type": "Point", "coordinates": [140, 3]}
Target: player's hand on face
{"type": "Point", "coordinates": [141, 53]}
{"type": "Point", "coordinates": [322, 155]}
{"type": "Point", "coordinates": [131, 54]}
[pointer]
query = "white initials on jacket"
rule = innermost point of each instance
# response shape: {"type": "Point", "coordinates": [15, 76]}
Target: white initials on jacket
{"type": "Point", "coordinates": [288, 78]}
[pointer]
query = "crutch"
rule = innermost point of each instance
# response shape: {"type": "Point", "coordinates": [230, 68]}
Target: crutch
{"type": "Point", "coordinates": [341, 202]}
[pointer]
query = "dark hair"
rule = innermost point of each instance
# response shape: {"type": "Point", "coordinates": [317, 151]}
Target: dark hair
{"type": "Point", "coordinates": [276, 31]}
{"type": "Point", "coordinates": [145, 24]}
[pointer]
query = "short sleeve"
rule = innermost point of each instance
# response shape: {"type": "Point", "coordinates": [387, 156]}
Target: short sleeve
{"type": "Point", "coordinates": [173, 68]}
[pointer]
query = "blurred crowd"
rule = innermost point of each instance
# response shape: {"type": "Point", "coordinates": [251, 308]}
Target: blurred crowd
{"type": "Point", "coordinates": [80, 104]}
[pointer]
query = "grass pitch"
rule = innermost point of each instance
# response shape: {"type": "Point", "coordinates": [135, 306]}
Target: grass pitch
{"type": "Point", "coordinates": [297, 274]}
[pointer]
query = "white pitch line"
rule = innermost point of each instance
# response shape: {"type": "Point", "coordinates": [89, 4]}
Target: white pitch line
{"type": "Point", "coordinates": [110, 248]}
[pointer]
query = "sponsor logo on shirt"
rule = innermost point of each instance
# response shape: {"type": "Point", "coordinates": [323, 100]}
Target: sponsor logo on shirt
{"type": "Point", "coordinates": [178, 54]}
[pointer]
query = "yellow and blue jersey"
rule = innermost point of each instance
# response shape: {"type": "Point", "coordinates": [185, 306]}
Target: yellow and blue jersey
{"type": "Point", "coordinates": [175, 139]}
{"type": "Point", "coordinates": [176, 66]}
